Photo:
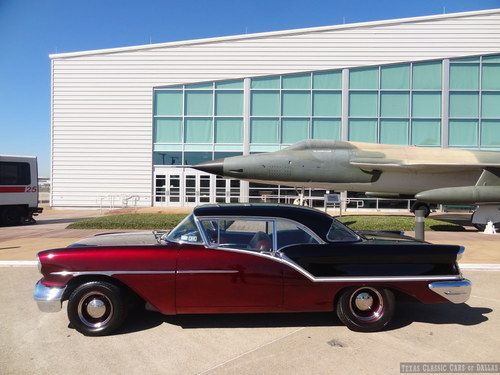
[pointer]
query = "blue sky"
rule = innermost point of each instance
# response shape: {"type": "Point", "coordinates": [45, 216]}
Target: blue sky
{"type": "Point", "coordinates": [31, 30]}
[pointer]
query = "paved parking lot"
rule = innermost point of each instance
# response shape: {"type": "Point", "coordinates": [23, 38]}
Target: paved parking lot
{"type": "Point", "coordinates": [35, 342]}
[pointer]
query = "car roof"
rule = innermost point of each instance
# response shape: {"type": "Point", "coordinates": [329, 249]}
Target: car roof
{"type": "Point", "coordinates": [316, 220]}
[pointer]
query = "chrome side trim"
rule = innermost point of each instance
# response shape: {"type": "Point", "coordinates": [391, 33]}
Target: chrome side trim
{"type": "Point", "coordinates": [454, 291]}
{"type": "Point", "coordinates": [281, 258]}
{"type": "Point", "coordinates": [206, 271]}
{"type": "Point", "coordinates": [111, 273]}
{"type": "Point", "coordinates": [48, 299]}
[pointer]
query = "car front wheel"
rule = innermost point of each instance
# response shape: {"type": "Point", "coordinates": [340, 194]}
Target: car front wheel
{"type": "Point", "coordinates": [366, 309]}
{"type": "Point", "coordinates": [96, 308]}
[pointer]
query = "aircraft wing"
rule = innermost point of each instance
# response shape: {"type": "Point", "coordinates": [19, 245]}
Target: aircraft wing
{"type": "Point", "coordinates": [382, 164]}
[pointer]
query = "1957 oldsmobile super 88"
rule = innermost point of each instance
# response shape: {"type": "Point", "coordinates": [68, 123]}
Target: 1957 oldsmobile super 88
{"type": "Point", "coordinates": [247, 258]}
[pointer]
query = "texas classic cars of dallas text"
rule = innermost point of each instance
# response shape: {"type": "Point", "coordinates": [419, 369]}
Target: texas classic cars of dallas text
{"type": "Point", "coordinates": [248, 259]}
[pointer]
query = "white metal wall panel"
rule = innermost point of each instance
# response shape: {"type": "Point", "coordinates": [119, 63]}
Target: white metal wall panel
{"type": "Point", "coordinates": [102, 100]}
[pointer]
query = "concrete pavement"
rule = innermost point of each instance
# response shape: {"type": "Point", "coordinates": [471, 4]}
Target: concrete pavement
{"type": "Point", "coordinates": [35, 342]}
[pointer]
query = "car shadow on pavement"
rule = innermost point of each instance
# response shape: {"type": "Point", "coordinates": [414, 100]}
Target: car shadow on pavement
{"type": "Point", "coordinates": [406, 314]}
{"type": "Point", "coordinates": [461, 314]}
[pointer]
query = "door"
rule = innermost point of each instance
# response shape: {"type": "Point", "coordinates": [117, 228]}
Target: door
{"type": "Point", "coordinates": [167, 188]}
{"type": "Point", "coordinates": [236, 279]}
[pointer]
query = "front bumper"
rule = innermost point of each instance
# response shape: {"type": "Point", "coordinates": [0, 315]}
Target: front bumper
{"type": "Point", "coordinates": [48, 299]}
{"type": "Point", "coordinates": [454, 291]}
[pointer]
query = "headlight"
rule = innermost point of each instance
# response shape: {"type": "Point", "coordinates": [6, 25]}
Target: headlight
{"type": "Point", "coordinates": [39, 265]}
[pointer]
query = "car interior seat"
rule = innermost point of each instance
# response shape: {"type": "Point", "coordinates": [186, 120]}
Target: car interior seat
{"type": "Point", "coordinates": [261, 242]}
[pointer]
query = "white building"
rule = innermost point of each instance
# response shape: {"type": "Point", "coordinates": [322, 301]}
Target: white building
{"type": "Point", "coordinates": [127, 122]}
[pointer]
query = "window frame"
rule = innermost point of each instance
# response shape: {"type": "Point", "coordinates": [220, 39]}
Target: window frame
{"type": "Point", "coordinates": [273, 220]}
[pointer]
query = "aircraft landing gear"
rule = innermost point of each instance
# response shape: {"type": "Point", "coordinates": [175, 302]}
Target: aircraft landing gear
{"type": "Point", "coordinates": [485, 213]}
{"type": "Point", "coordinates": [421, 206]}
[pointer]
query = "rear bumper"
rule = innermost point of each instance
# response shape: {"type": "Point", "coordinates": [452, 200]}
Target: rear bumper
{"type": "Point", "coordinates": [48, 299]}
{"type": "Point", "coordinates": [454, 291]}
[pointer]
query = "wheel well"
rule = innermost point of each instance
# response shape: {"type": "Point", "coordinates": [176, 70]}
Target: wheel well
{"type": "Point", "coordinates": [399, 295]}
{"type": "Point", "coordinates": [79, 280]}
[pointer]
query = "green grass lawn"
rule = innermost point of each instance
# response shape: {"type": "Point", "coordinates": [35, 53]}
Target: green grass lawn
{"type": "Point", "coordinates": [130, 221]}
{"type": "Point", "coordinates": [406, 223]}
{"type": "Point", "coordinates": [168, 221]}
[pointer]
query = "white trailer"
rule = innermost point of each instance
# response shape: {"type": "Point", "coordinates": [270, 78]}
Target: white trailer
{"type": "Point", "coordinates": [18, 189]}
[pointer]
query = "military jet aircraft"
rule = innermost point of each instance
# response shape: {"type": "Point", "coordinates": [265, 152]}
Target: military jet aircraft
{"type": "Point", "coordinates": [431, 175]}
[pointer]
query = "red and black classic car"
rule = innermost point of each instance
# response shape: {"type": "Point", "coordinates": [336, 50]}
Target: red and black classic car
{"type": "Point", "coordinates": [247, 258]}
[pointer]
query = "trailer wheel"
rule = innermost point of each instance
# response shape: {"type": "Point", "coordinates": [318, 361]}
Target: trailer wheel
{"type": "Point", "coordinates": [365, 308]}
{"type": "Point", "coordinates": [12, 215]}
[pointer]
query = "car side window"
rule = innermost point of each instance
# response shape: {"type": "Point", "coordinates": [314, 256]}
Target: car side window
{"type": "Point", "coordinates": [339, 232]}
{"type": "Point", "coordinates": [186, 231]}
{"type": "Point", "coordinates": [289, 233]}
{"type": "Point", "coordinates": [253, 235]}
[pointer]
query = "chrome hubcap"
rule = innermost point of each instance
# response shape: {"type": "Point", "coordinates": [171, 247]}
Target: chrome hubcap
{"type": "Point", "coordinates": [367, 304]}
{"type": "Point", "coordinates": [364, 301]}
{"type": "Point", "coordinates": [95, 310]}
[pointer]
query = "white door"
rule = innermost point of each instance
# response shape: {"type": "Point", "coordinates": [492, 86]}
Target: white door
{"type": "Point", "coordinates": [167, 188]}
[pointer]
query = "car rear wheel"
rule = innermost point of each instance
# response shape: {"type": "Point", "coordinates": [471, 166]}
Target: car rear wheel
{"type": "Point", "coordinates": [96, 308]}
{"type": "Point", "coordinates": [366, 309]}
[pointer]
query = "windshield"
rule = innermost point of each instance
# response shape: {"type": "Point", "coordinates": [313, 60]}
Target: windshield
{"type": "Point", "coordinates": [339, 232]}
{"type": "Point", "coordinates": [186, 231]}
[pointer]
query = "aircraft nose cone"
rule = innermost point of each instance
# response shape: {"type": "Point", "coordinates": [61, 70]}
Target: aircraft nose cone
{"type": "Point", "coordinates": [212, 166]}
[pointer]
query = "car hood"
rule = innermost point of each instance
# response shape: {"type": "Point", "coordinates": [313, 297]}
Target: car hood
{"type": "Point", "coordinates": [121, 238]}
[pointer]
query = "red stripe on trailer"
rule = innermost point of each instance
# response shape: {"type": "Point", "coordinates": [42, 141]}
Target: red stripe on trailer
{"type": "Point", "coordinates": [12, 189]}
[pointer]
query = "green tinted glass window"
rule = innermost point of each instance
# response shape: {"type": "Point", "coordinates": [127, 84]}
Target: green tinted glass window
{"type": "Point", "coordinates": [327, 103]}
{"type": "Point", "coordinates": [199, 103]}
{"type": "Point", "coordinates": [198, 130]}
{"type": "Point", "coordinates": [463, 133]}
{"type": "Point", "coordinates": [491, 58]}
{"type": "Point", "coordinates": [228, 130]}
{"type": "Point", "coordinates": [490, 105]}
{"type": "Point", "coordinates": [427, 75]}
{"type": "Point", "coordinates": [168, 103]}
{"type": "Point", "coordinates": [296, 103]}
{"type": "Point", "coordinates": [297, 81]}
{"type": "Point", "coordinates": [294, 130]}
{"type": "Point", "coordinates": [167, 158]}
{"type": "Point", "coordinates": [365, 78]}
{"type": "Point", "coordinates": [394, 104]}
{"type": "Point", "coordinates": [491, 77]}
{"type": "Point", "coordinates": [326, 129]}
{"type": "Point", "coordinates": [426, 132]}
{"type": "Point", "coordinates": [232, 84]}
{"type": "Point", "coordinates": [426, 104]}
{"type": "Point", "coordinates": [272, 82]}
{"type": "Point", "coordinates": [202, 85]}
{"type": "Point", "coordinates": [464, 76]}
{"type": "Point", "coordinates": [395, 77]}
{"type": "Point", "coordinates": [331, 80]}
{"type": "Point", "coordinates": [490, 133]}
{"type": "Point", "coordinates": [264, 130]}
{"type": "Point", "coordinates": [464, 104]}
{"type": "Point", "coordinates": [265, 103]}
{"type": "Point", "coordinates": [363, 104]}
{"type": "Point", "coordinates": [363, 130]}
{"type": "Point", "coordinates": [168, 130]}
{"type": "Point", "coordinates": [394, 132]}
{"type": "Point", "coordinates": [466, 59]}
{"type": "Point", "coordinates": [229, 103]}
